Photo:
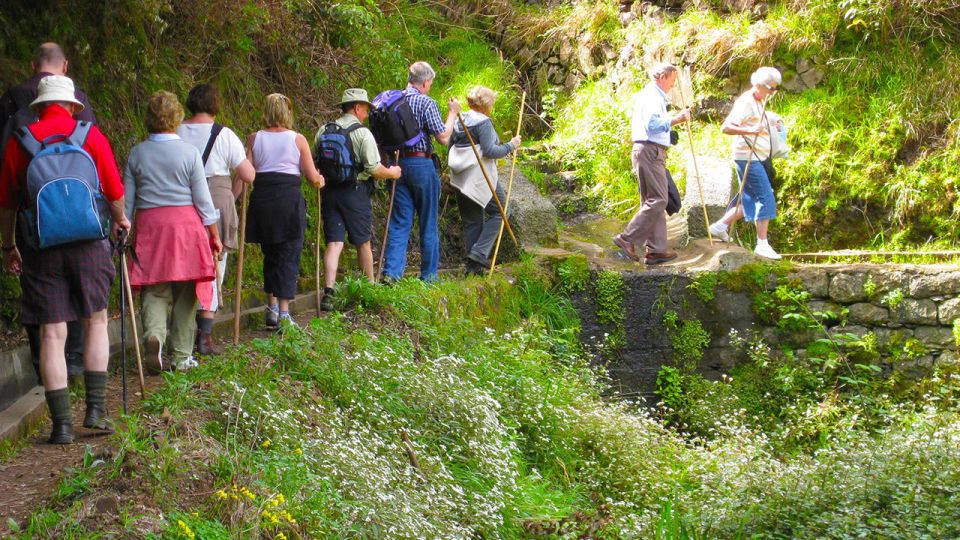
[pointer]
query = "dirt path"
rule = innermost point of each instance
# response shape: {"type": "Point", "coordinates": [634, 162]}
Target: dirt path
{"type": "Point", "coordinates": [28, 481]}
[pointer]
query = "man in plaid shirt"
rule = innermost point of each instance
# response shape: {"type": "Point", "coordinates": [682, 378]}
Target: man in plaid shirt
{"type": "Point", "coordinates": [418, 190]}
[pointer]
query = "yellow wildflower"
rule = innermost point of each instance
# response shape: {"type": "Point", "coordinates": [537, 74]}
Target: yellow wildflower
{"type": "Point", "coordinates": [185, 529]}
{"type": "Point", "coordinates": [220, 494]}
{"type": "Point", "coordinates": [298, 451]}
{"type": "Point", "coordinates": [266, 443]}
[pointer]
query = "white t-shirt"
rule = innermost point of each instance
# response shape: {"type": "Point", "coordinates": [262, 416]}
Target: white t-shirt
{"type": "Point", "coordinates": [746, 112]}
{"type": "Point", "coordinates": [227, 152]}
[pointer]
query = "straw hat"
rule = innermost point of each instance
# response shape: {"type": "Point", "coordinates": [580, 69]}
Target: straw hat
{"type": "Point", "coordinates": [56, 88]}
{"type": "Point", "coordinates": [354, 95]}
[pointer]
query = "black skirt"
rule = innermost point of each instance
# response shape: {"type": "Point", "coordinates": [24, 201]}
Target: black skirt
{"type": "Point", "coordinates": [278, 211]}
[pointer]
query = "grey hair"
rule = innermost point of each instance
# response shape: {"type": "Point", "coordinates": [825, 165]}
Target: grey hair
{"type": "Point", "coordinates": [766, 75]}
{"type": "Point", "coordinates": [421, 72]}
{"type": "Point", "coordinates": [662, 69]}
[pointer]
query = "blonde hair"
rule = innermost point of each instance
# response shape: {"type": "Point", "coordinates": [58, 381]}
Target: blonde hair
{"type": "Point", "coordinates": [164, 112]}
{"type": "Point", "coordinates": [279, 111]}
{"type": "Point", "coordinates": [481, 99]}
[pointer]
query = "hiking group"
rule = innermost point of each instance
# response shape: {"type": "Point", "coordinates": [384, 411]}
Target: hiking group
{"type": "Point", "coordinates": [62, 197]}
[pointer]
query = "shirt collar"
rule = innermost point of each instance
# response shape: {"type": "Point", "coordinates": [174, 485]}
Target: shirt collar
{"type": "Point", "coordinates": [351, 117]}
{"type": "Point", "coordinates": [54, 110]}
{"type": "Point", "coordinates": [412, 88]}
{"type": "Point", "coordinates": [161, 137]}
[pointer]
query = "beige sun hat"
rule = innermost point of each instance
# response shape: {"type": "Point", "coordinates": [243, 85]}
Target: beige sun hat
{"type": "Point", "coordinates": [56, 88]}
{"type": "Point", "coordinates": [354, 95]}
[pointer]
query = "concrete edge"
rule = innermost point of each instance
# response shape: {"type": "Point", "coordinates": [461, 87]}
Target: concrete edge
{"type": "Point", "coordinates": [23, 415]}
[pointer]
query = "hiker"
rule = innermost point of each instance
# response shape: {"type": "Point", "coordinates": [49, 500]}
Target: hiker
{"type": "Point", "coordinates": [748, 124]}
{"type": "Point", "coordinates": [176, 237]}
{"type": "Point", "coordinates": [222, 153]}
{"type": "Point", "coordinates": [650, 132]}
{"type": "Point", "coordinates": [69, 281]}
{"type": "Point", "coordinates": [346, 209]}
{"type": "Point", "coordinates": [478, 211]}
{"type": "Point", "coordinates": [14, 112]}
{"type": "Point", "coordinates": [277, 218]}
{"type": "Point", "coordinates": [418, 189]}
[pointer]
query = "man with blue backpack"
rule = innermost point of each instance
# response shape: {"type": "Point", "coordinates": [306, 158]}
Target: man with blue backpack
{"type": "Point", "coordinates": [59, 182]}
{"type": "Point", "coordinates": [346, 154]}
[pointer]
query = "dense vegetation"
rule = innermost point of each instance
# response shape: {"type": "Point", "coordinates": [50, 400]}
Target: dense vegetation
{"type": "Point", "coordinates": [469, 409]}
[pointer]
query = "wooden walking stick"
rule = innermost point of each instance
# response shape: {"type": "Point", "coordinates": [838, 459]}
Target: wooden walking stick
{"type": "Point", "coordinates": [513, 168]}
{"type": "Point", "coordinates": [239, 286]}
{"type": "Point", "coordinates": [483, 170]}
{"type": "Point", "coordinates": [386, 227]}
{"type": "Point", "coordinates": [133, 320]}
{"type": "Point", "coordinates": [317, 253]}
{"type": "Point", "coordinates": [693, 154]}
{"type": "Point", "coordinates": [219, 282]}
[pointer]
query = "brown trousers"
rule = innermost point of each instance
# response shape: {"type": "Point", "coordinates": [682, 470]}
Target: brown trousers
{"type": "Point", "coordinates": [649, 225]}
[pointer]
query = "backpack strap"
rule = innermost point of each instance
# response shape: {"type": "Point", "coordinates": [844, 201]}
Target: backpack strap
{"type": "Point", "coordinates": [214, 132]}
{"type": "Point", "coordinates": [28, 140]}
{"type": "Point", "coordinates": [80, 133]}
{"type": "Point", "coordinates": [353, 154]}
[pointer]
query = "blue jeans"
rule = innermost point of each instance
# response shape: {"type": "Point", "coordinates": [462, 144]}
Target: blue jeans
{"type": "Point", "coordinates": [418, 190]}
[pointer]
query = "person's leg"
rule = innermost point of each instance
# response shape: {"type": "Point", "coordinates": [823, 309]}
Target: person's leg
{"type": "Point", "coordinates": [401, 221]}
{"type": "Point", "coordinates": [331, 259]}
{"type": "Point", "coordinates": [183, 324]}
{"type": "Point", "coordinates": [471, 218]}
{"type": "Point", "coordinates": [426, 200]}
{"type": "Point", "coordinates": [156, 300]}
{"type": "Point", "coordinates": [96, 357]}
{"type": "Point", "coordinates": [270, 284]}
{"type": "Point", "coordinates": [33, 339]}
{"type": "Point", "coordinates": [365, 260]}
{"type": "Point", "coordinates": [288, 270]}
{"type": "Point", "coordinates": [648, 226]}
{"type": "Point", "coordinates": [489, 229]}
{"type": "Point", "coordinates": [53, 371]}
{"type": "Point", "coordinates": [74, 348]}
{"type": "Point", "coordinates": [762, 226]}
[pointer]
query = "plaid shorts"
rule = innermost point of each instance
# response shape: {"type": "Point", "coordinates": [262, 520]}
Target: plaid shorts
{"type": "Point", "coordinates": [66, 283]}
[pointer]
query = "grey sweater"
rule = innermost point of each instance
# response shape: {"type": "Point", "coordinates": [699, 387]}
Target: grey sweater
{"type": "Point", "coordinates": [167, 172]}
{"type": "Point", "coordinates": [484, 136]}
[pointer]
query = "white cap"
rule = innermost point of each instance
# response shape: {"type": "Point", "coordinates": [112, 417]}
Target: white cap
{"type": "Point", "coordinates": [56, 88]}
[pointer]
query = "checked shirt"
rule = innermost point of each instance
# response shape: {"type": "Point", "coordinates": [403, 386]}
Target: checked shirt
{"type": "Point", "coordinates": [428, 116]}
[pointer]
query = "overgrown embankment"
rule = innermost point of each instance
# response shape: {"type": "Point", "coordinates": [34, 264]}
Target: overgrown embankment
{"type": "Point", "coordinates": [468, 409]}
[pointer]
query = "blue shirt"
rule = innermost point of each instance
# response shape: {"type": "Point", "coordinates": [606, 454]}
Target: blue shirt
{"type": "Point", "coordinates": [650, 121]}
{"type": "Point", "coordinates": [428, 116]}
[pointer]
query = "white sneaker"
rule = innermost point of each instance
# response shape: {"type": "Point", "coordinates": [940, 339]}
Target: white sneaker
{"type": "Point", "coordinates": [187, 363]}
{"type": "Point", "coordinates": [719, 233]}
{"type": "Point", "coordinates": [767, 252]}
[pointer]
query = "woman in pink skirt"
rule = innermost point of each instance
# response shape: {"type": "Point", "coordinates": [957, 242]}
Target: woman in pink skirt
{"type": "Point", "coordinates": [176, 236]}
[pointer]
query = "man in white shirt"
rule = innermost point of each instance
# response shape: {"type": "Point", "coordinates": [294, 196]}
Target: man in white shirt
{"type": "Point", "coordinates": [650, 132]}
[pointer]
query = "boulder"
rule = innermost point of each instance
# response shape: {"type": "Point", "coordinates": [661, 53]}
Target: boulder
{"type": "Point", "coordinates": [532, 216]}
{"type": "Point", "coordinates": [716, 177]}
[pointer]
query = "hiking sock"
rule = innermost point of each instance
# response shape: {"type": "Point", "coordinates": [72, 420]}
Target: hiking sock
{"type": "Point", "coordinates": [59, 403]}
{"type": "Point", "coordinates": [284, 314]}
{"type": "Point", "coordinates": [328, 290]}
{"type": "Point", "coordinates": [761, 242]}
{"type": "Point", "coordinates": [721, 226]}
{"type": "Point", "coordinates": [96, 385]}
{"type": "Point", "coordinates": [204, 325]}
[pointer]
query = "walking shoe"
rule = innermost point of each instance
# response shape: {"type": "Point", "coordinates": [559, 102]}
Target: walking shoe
{"type": "Point", "coordinates": [767, 252]}
{"type": "Point", "coordinates": [626, 248]}
{"type": "Point", "coordinates": [326, 303]}
{"type": "Point", "coordinates": [187, 363]}
{"type": "Point", "coordinates": [153, 355]}
{"type": "Point", "coordinates": [271, 319]}
{"type": "Point", "coordinates": [473, 268]}
{"type": "Point", "coordinates": [62, 433]}
{"type": "Point", "coordinates": [719, 232]}
{"type": "Point", "coordinates": [205, 344]}
{"type": "Point", "coordinates": [96, 418]}
{"type": "Point", "coordinates": [659, 258]}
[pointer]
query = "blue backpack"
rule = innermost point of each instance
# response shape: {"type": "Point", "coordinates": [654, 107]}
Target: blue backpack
{"type": "Point", "coordinates": [64, 203]}
{"type": "Point", "coordinates": [334, 155]}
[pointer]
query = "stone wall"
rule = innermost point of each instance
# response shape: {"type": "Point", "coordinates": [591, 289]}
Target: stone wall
{"type": "Point", "coordinates": [909, 310]}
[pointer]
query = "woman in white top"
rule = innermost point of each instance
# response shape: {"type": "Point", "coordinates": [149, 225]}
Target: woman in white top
{"type": "Point", "coordinates": [222, 153]}
{"type": "Point", "coordinates": [277, 218]}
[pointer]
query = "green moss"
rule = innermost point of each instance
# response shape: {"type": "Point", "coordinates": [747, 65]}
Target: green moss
{"type": "Point", "coordinates": [688, 338]}
{"type": "Point", "coordinates": [705, 286]}
{"type": "Point", "coordinates": [608, 290]}
{"type": "Point", "coordinates": [573, 273]}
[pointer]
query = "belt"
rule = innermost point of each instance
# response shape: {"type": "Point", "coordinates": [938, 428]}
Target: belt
{"type": "Point", "coordinates": [414, 154]}
{"type": "Point", "coordinates": [653, 143]}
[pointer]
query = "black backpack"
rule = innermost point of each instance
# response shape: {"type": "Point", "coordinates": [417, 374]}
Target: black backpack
{"type": "Point", "coordinates": [392, 121]}
{"type": "Point", "coordinates": [23, 117]}
{"type": "Point", "coordinates": [334, 156]}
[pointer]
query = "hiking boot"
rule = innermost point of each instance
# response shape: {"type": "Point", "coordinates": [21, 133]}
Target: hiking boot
{"type": "Point", "coordinates": [326, 303]}
{"type": "Point", "coordinates": [659, 258]}
{"type": "Point", "coordinates": [153, 356]}
{"type": "Point", "coordinates": [626, 248]}
{"type": "Point", "coordinates": [767, 252]}
{"type": "Point", "coordinates": [271, 319]}
{"type": "Point", "coordinates": [205, 344]}
{"type": "Point", "coordinates": [62, 433]}
{"type": "Point", "coordinates": [388, 280]}
{"type": "Point", "coordinates": [719, 231]}
{"type": "Point", "coordinates": [96, 418]}
{"type": "Point", "coordinates": [473, 268]}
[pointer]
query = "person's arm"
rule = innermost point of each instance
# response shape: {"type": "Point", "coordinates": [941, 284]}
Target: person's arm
{"type": "Point", "coordinates": [307, 167]}
{"type": "Point", "coordinates": [200, 188]}
{"type": "Point", "coordinates": [443, 134]}
{"type": "Point", "coordinates": [8, 209]}
{"type": "Point", "coordinates": [112, 186]}
{"type": "Point", "coordinates": [243, 174]}
{"type": "Point", "coordinates": [386, 173]}
{"type": "Point", "coordinates": [11, 254]}
{"type": "Point", "coordinates": [735, 124]}
{"type": "Point", "coordinates": [489, 142]}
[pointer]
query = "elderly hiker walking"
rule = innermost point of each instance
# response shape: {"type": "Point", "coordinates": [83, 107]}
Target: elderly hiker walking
{"type": "Point", "coordinates": [346, 208]}
{"type": "Point", "coordinates": [418, 190]}
{"type": "Point", "coordinates": [750, 127]}
{"type": "Point", "coordinates": [176, 233]}
{"type": "Point", "coordinates": [70, 280]}
{"type": "Point", "coordinates": [222, 153]}
{"type": "Point", "coordinates": [15, 112]}
{"type": "Point", "coordinates": [650, 132]}
{"type": "Point", "coordinates": [478, 211]}
{"type": "Point", "coordinates": [277, 218]}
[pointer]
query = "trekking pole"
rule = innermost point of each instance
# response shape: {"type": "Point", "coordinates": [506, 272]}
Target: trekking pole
{"type": "Point", "coordinates": [386, 227]}
{"type": "Point", "coordinates": [493, 190]}
{"type": "Point", "coordinates": [219, 282]}
{"type": "Point", "coordinates": [513, 168]}
{"type": "Point", "coordinates": [317, 253]}
{"type": "Point", "coordinates": [239, 286]}
{"type": "Point", "coordinates": [693, 156]}
{"type": "Point", "coordinates": [133, 320]}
